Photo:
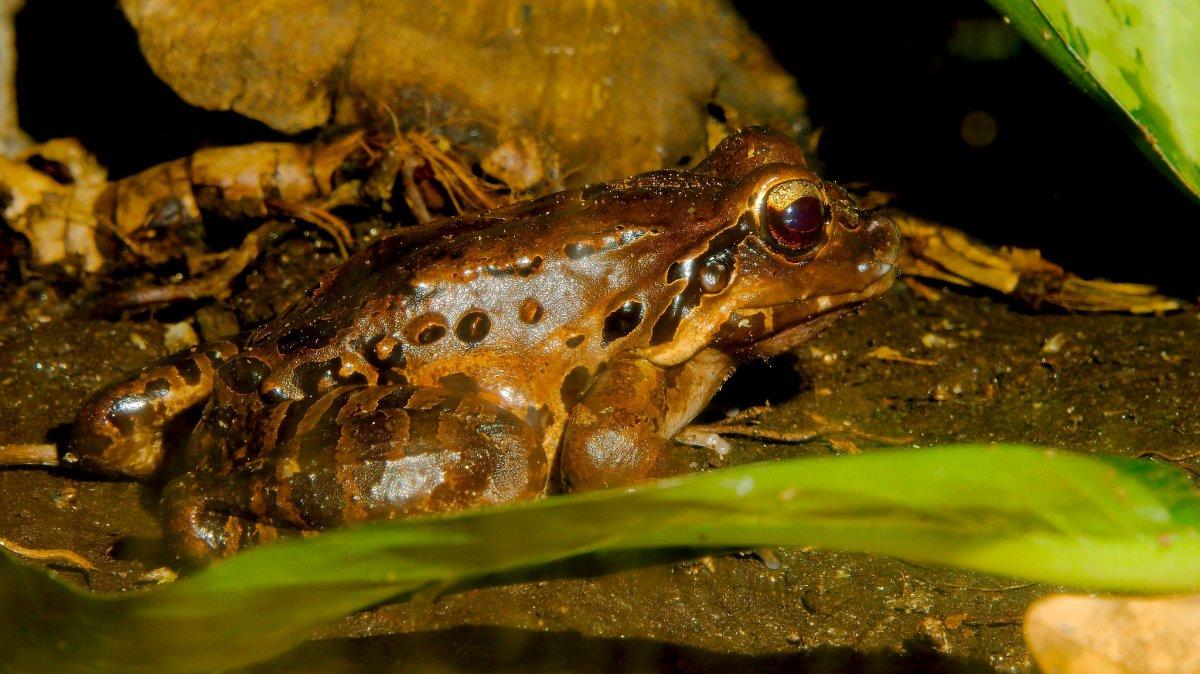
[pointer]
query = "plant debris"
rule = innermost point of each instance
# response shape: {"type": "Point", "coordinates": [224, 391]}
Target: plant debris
{"type": "Point", "coordinates": [50, 555]}
{"type": "Point", "coordinates": [172, 212]}
{"type": "Point", "coordinates": [940, 253]}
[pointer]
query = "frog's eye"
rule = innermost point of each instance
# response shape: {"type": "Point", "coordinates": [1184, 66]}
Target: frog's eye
{"type": "Point", "coordinates": [794, 214]}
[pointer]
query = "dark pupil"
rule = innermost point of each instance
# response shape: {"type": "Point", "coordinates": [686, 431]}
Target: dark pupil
{"type": "Point", "coordinates": [800, 223]}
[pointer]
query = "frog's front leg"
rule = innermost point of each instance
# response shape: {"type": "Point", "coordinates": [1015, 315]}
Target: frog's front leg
{"type": "Point", "coordinates": [618, 432]}
{"type": "Point", "coordinates": [358, 453]}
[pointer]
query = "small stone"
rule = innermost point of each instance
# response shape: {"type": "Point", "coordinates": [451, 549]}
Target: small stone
{"type": "Point", "coordinates": [216, 322]}
{"type": "Point", "coordinates": [66, 497]}
{"type": "Point", "coordinates": [179, 336]}
{"type": "Point", "coordinates": [935, 341]}
{"type": "Point", "coordinates": [768, 558]}
{"type": "Point", "coordinates": [163, 574]}
{"type": "Point", "coordinates": [1054, 343]}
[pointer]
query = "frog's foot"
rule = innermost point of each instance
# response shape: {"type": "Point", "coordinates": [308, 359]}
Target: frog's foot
{"type": "Point", "coordinates": [206, 518]}
{"type": "Point", "coordinates": [123, 429]}
{"type": "Point", "coordinates": [361, 453]}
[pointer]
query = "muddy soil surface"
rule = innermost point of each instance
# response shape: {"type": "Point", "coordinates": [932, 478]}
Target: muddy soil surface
{"type": "Point", "coordinates": [979, 369]}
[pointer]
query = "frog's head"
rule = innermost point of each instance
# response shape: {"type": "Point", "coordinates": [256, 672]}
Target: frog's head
{"type": "Point", "coordinates": [789, 256]}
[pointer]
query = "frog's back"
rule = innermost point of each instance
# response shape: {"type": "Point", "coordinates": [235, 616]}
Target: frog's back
{"type": "Point", "coordinates": [522, 304]}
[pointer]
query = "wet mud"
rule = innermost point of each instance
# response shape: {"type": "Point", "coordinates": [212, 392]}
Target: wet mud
{"type": "Point", "coordinates": [970, 368]}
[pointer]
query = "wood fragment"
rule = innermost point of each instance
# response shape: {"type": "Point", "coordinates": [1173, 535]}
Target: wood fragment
{"type": "Point", "coordinates": [844, 445]}
{"type": "Point", "coordinates": [49, 190]}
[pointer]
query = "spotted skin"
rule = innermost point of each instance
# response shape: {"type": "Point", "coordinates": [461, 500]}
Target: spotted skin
{"type": "Point", "coordinates": [122, 431]}
{"type": "Point", "coordinates": [440, 367]}
{"type": "Point", "coordinates": [357, 453]}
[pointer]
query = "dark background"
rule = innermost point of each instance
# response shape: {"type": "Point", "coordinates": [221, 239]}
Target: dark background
{"type": "Point", "coordinates": [890, 85]}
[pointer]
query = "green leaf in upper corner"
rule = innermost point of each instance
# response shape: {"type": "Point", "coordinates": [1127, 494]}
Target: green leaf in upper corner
{"type": "Point", "coordinates": [1060, 517]}
{"type": "Point", "coordinates": [1141, 56]}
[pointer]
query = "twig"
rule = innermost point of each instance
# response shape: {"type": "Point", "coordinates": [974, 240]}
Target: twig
{"type": "Point", "coordinates": [66, 556]}
{"type": "Point", "coordinates": [213, 284]}
{"type": "Point", "coordinates": [742, 425]}
{"type": "Point", "coordinates": [755, 432]}
{"type": "Point", "coordinates": [29, 454]}
{"type": "Point", "coordinates": [1177, 460]}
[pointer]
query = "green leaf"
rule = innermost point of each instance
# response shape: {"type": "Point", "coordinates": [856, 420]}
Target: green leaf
{"type": "Point", "coordinates": [1142, 57]}
{"type": "Point", "coordinates": [1043, 515]}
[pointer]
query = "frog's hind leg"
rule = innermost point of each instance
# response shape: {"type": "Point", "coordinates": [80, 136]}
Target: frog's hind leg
{"type": "Point", "coordinates": [359, 453]}
{"type": "Point", "coordinates": [126, 428]}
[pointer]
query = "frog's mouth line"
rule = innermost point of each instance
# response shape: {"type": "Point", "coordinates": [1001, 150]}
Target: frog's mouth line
{"type": "Point", "coordinates": [797, 322]}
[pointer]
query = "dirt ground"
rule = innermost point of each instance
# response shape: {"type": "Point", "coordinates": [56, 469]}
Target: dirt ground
{"type": "Point", "coordinates": [980, 370]}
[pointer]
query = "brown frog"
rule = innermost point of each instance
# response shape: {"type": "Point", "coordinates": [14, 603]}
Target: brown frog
{"type": "Point", "coordinates": [556, 343]}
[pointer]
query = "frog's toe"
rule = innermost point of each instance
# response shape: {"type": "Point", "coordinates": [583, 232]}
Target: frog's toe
{"type": "Point", "coordinates": [194, 531]}
{"type": "Point", "coordinates": [204, 523]}
{"type": "Point", "coordinates": [125, 429]}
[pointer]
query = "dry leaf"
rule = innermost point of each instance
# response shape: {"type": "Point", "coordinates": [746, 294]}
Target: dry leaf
{"type": "Point", "coordinates": [158, 212]}
{"type": "Point", "coordinates": [616, 87]}
{"type": "Point", "coordinates": [51, 188]}
{"type": "Point", "coordinates": [59, 200]}
{"type": "Point", "coordinates": [934, 251]}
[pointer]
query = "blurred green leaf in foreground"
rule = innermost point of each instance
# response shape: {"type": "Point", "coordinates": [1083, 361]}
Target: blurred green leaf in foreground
{"type": "Point", "coordinates": [1060, 517]}
{"type": "Point", "coordinates": [1141, 56]}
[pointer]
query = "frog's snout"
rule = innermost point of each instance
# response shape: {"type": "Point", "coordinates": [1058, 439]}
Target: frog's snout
{"type": "Point", "coordinates": [884, 238]}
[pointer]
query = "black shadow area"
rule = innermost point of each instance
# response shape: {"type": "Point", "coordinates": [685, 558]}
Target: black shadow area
{"type": "Point", "coordinates": [501, 649]}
